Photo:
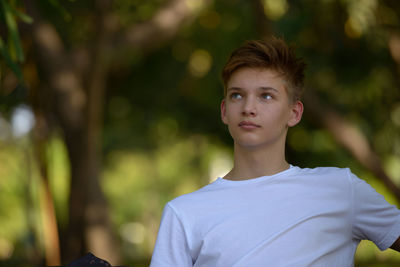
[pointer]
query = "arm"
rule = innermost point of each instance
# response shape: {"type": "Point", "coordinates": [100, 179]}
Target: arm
{"type": "Point", "coordinates": [374, 218]}
{"type": "Point", "coordinates": [396, 245]}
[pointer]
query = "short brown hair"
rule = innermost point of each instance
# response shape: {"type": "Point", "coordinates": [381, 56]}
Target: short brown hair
{"type": "Point", "coordinates": [272, 54]}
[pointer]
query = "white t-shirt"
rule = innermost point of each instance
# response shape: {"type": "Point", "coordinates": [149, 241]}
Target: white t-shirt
{"type": "Point", "coordinates": [298, 217]}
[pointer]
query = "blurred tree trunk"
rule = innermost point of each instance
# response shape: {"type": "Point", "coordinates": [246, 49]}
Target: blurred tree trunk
{"type": "Point", "coordinates": [98, 235]}
{"type": "Point", "coordinates": [78, 108]}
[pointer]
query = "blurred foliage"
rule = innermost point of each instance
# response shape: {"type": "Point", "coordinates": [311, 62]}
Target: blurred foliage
{"type": "Point", "coordinates": [10, 44]}
{"type": "Point", "coordinates": [162, 134]}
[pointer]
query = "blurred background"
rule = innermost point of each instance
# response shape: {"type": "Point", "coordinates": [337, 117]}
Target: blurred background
{"type": "Point", "coordinates": [109, 109]}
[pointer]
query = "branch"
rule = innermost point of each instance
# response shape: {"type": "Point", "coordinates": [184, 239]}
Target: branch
{"type": "Point", "coordinates": [394, 47]}
{"type": "Point", "coordinates": [163, 25]}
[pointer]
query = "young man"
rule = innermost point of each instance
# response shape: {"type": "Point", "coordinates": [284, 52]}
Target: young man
{"type": "Point", "coordinates": [266, 212]}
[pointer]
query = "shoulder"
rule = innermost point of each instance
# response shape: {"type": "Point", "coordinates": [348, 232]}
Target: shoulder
{"type": "Point", "coordinates": [194, 200]}
{"type": "Point", "coordinates": [326, 172]}
{"type": "Point", "coordinates": [328, 176]}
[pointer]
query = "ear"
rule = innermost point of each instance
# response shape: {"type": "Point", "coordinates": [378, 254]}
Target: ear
{"type": "Point", "coordinates": [223, 112]}
{"type": "Point", "coordinates": [296, 113]}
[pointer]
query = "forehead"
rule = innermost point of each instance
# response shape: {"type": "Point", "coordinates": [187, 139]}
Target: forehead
{"type": "Point", "coordinates": [247, 78]}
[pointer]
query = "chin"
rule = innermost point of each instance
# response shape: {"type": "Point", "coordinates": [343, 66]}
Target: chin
{"type": "Point", "coordinates": [249, 144]}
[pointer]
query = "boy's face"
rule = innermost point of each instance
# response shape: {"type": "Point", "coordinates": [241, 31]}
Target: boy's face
{"type": "Point", "coordinates": [257, 108]}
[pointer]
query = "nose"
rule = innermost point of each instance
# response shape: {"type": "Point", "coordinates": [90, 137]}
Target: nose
{"type": "Point", "coordinates": [249, 107]}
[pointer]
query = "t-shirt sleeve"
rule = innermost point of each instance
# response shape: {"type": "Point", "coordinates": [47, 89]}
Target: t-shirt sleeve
{"type": "Point", "coordinates": [171, 248]}
{"type": "Point", "coordinates": [374, 218]}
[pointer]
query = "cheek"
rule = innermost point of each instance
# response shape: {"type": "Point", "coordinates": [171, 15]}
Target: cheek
{"type": "Point", "coordinates": [279, 116]}
{"type": "Point", "coordinates": [229, 112]}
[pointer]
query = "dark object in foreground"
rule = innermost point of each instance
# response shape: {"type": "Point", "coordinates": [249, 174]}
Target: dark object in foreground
{"type": "Point", "coordinates": [89, 260]}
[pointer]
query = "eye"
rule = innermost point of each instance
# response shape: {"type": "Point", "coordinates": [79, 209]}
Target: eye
{"type": "Point", "coordinates": [266, 96]}
{"type": "Point", "coordinates": [235, 96]}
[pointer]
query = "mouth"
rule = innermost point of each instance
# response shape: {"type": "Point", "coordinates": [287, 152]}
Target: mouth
{"type": "Point", "coordinates": [248, 125]}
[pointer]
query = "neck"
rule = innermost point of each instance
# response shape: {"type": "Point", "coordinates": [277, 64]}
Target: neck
{"type": "Point", "coordinates": [256, 162]}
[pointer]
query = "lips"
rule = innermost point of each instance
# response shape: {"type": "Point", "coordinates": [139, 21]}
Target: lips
{"type": "Point", "coordinates": [248, 125]}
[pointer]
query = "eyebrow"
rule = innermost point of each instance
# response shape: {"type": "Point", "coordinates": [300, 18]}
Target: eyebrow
{"type": "Point", "coordinates": [269, 89]}
{"type": "Point", "coordinates": [261, 88]}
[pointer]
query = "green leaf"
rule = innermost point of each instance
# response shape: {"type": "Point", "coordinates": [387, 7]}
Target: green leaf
{"type": "Point", "coordinates": [13, 31]}
{"type": "Point", "coordinates": [24, 17]}
{"type": "Point", "coordinates": [13, 66]}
